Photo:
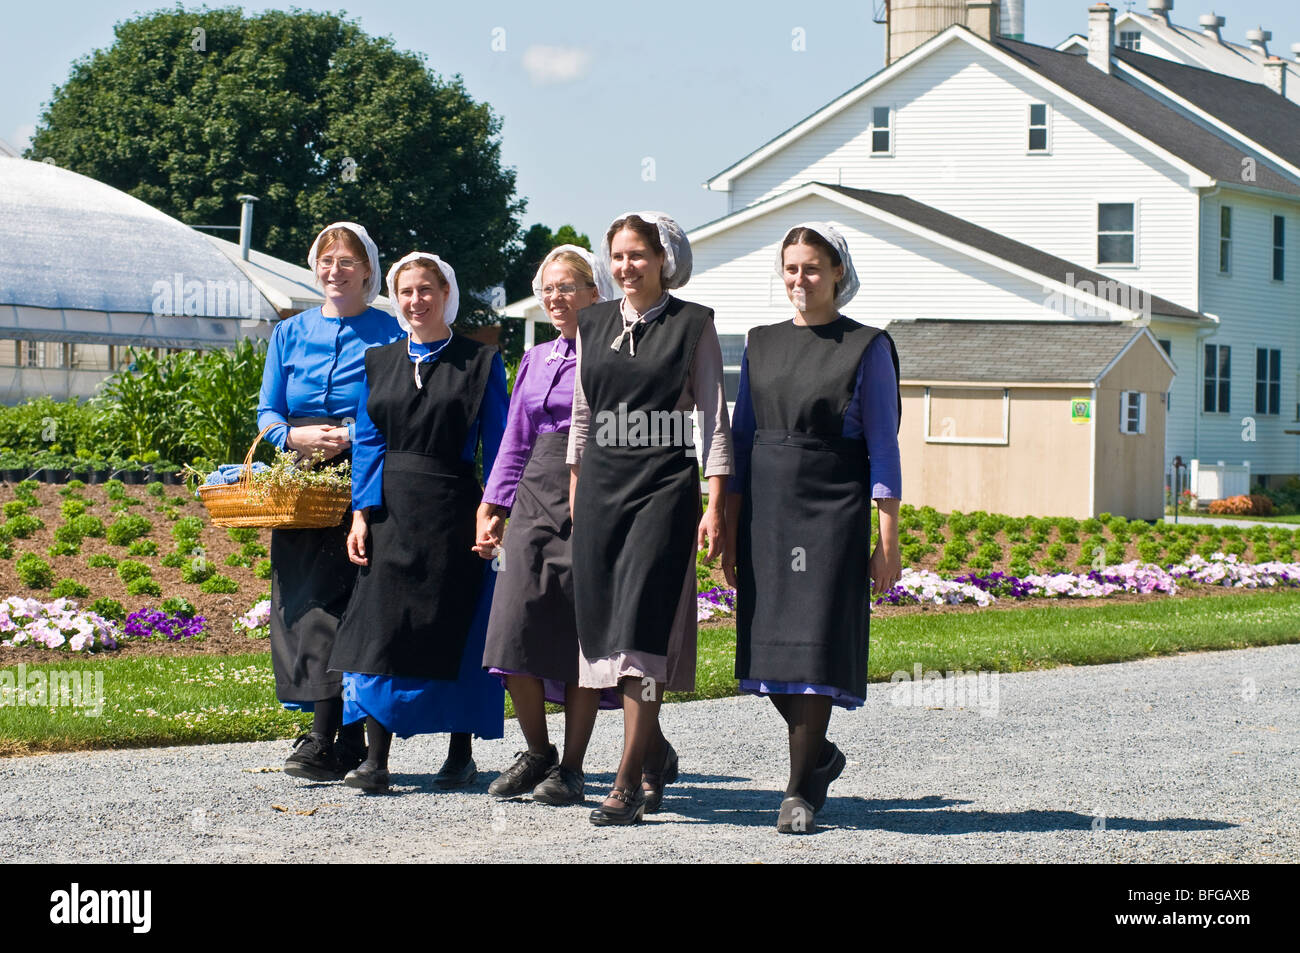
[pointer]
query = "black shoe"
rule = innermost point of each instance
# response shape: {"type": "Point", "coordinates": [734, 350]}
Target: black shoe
{"type": "Point", "coordinates": [797, 817]}
{"type": "Point", "coordinates": [525, 774]}
{"type": "Point", "coordinates": [453, 775]}
{"type": "Point", "coordinates": [348, 755]}
{"type": "Point", "coordinates": [667, 774]}
{"type": "Point", "coordinates": [561, 787]}
{"type": "Point", "coordinates": [631, 812]}
{"type": "Point", "coordinates": [819, 780]}
{"type": "Point", "coordinates": [313, 759]}
{"type": "Point", "coordinates": [368, 776]}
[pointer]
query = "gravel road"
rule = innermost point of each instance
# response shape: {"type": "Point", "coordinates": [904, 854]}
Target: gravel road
{"type": "Point", "coordinates": [1191, 758]}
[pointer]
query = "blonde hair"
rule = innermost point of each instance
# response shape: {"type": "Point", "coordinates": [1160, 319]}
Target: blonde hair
{"type": "Point", "coordinates": [426, 263]}
{"type": "Point", "coordinates": [575, 263]}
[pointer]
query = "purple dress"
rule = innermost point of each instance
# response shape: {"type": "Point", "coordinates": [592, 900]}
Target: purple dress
{"type": "Point", "coordinates": [532, 630]}
{"type": "Point", "coordinates": [872, 416]}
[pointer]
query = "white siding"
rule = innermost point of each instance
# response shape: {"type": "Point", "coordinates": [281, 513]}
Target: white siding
{"type": "Point", "coordinates": [1255, 312]}
{"type": "Point", "coordinates": [973, 163]}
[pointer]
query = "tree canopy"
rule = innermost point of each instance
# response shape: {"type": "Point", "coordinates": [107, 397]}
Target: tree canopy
{"type": "Point", "coordinates": [188, 109]}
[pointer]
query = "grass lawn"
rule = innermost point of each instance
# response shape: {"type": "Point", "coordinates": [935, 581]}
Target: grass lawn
{"type": "Point", "coordinates": [196, 699]}
{"type": "Point", "coordinates": [1290, 518]}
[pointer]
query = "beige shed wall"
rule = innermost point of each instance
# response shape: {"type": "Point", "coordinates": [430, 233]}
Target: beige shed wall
{"type": "Point", "coordinates": [1130, 467]}
{"type": "Point", "coordinates": [1043, 471]}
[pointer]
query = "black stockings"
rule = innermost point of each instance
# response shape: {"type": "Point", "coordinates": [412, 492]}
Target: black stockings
{"type": "Point", "coordinates": [806, 718]}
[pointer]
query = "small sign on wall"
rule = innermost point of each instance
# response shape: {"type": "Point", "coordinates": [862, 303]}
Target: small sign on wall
{"type": "Point", "coordinates": [1080, 410]}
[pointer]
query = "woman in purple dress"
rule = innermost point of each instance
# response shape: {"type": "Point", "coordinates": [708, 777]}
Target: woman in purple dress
{"type": "Point", "coordinates": [532, 639]}
{"type": "Point", "coordinates": [816, 437]}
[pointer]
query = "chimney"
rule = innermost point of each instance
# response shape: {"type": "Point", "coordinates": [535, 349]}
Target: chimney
{"type": "Point", "coordinates": [1211, 25]}
{"type": "Point", "coordinates": [246, 225]}
{"type": "Point", "coordinates": [1275, 74]}
{"type": "Point", "coordinates": [1258, 40]}
{"type": "Point", "coordinates": [1101, 35]}
{"type": "Point", "coordinates": [983, 18]}
{"type": "Point", "coordinates": [1160, 8]}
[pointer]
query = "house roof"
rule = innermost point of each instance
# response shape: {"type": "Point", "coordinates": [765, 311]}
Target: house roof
{"type": "Point", "coordinates": [1013, 351]}
{"type": "Point", "coordinates": [1253, 109]}
{"type": "Point", "coordinates": [1040, 262]}
{"type": "Point", "coordinates": [1150, 119]}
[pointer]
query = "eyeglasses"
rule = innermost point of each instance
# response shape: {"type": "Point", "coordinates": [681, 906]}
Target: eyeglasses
{"type": "Point", "coordinates": [559, 291]}
{"type": "Point", "coordinates": [345, 264]}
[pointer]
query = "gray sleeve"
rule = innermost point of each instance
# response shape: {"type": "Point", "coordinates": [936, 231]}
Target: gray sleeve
{"type": "Point", "coordinates": [705, 385]}
{"type": "Point", "coordinates": [581, 416]}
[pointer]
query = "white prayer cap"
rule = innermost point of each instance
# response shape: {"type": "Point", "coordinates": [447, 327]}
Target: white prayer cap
{"type": "Point", "coordinates": [368, 243]}
{"type": "Point", "coordinates": [677, 250]}
{"type": "Point", "coordinates": [847, 286]}
{"type": "Point", "coordinates": [605, 286]}
{"type": "Point", "coordinates": [453, 290]}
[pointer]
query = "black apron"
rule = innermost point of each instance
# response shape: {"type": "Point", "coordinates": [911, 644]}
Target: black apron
{"type": "Point", "coordinates": [311, 583]}
{"type": "Point", "coordinates": [804, 590]}
{"type": "Point", "coordinates": [637, 507]}
{"type": "Point", "coordinates": [413, 604]}
{"type": "Point", "coordinates": [532, 630]}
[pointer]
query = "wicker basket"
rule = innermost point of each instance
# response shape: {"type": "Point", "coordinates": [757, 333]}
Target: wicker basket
{"type": "Point", "coordinates": [235, 504]}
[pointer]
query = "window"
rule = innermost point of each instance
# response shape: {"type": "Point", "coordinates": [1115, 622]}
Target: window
{"type": "Point", "coordinates": [1115, 234]}
{"type": "Point", "coordinates": [882, 142]}
{"type": "Point", "coordinates": [1268, 380]}
{"type": "Point", "coordinates": [1169, 351]}
{"type": "Point", "coordinates": [1218, 374]}
{"type": "Point", "coordinates": [1133, 412]}
{"type": "Point", "coordinates": [733, 352]}
{"type": "Point", "coordinates": [1225, 239]}
{"type": "Point", "coordinates": [1037, 127]}
{"type": "Point", "coordinates": [1130, 39]}
{"type": "Point", "coordinates": [91, 357]}
{"type": "Point", "coordinates": [1279, 248]}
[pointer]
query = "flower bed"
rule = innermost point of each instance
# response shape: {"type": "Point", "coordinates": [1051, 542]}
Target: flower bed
{"type": "Point", "coordinates": [256, 622]}
{"type": "Point", "coordinates": [157, 624]}
{"type": "Point", "coordinates": [54, 625]}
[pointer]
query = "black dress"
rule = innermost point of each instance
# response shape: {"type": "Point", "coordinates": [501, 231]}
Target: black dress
{"type": "Point", "coordinates": [803, 592]}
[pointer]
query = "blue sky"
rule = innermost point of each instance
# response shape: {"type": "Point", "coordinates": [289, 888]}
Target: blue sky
{"type": "Point", "coordinates": [592, 105]}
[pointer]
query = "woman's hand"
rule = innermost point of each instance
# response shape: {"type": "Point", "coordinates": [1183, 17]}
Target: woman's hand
{"type": "Point", "coordinates": [328, 439]}
{"type": "Point", "coordinates": [357, 538]}
{"type": "Point", "coordinates": [886, 565]}
{"type": "Point", "coordinates": [490, 521]}
{"type": "Point", "coordinates": [713, 525]}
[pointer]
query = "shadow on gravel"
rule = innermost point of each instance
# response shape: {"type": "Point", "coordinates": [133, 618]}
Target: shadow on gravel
{"type": "Point", "coordinates": [867, 814]}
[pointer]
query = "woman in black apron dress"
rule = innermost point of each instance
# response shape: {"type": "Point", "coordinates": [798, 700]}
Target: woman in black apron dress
{"type": "Point", "coordinates": [644, 364]}
{"type": "Point", "coordinates": [311, 384]}
{"type": "Point", "coordinates": [816, 424]}
{"type": "Point", "coordinates": [411, 641]}
{"type": "Point", "coordinates": [532, 639]}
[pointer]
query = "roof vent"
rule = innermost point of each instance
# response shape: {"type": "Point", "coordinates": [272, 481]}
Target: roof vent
{"type": "Point", "coordinates": [1295, 48]}
{"type": "Point", "coordinates": [1211, 25]}
{"type": "Point", "coordinates": [1258, 39]}
{"type": "Point", "coordinates": [1160, 8]}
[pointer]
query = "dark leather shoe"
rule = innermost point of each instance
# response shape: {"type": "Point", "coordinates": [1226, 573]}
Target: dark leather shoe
{"type": "Point", "coordinates": [631, 812]}
{"type": "Point", "coordinates": [797, 817]}
{"type": "Point", "coordinates": [452, 775]}
{"type": "Point", "coordinates": [561, 787]}
{"type": "Point", "coordinates": [368, 777]}
{"type": "Point", "coordinates": [666, 774]}
{"type": "Point", "coordinates": [819, 780]}
{"type": "Point", "coordinates": [348, 756]}
{"type": "Point", "coordinates": [313, 758]}
{"type": "Point", "coordinates": [525, 774]}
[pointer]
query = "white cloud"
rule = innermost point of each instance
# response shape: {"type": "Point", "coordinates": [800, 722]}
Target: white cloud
{"type": "Point", "coordinates": [556, 64]}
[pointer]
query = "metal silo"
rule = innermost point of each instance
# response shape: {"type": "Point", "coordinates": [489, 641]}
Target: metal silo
{"type": "Point", "coordinates": [912, 22]}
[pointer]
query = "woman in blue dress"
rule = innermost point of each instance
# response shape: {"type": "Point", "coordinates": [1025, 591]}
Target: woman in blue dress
{"type": "Point", "coordinates": [816, 437]}
{"type": "Point", "coordinates": [411, 641]}
{"type": "Point", "coordinates": [311, 387]}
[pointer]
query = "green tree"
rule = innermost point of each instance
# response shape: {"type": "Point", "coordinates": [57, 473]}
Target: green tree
{"type": "Point", "coordinates": [188, 109]}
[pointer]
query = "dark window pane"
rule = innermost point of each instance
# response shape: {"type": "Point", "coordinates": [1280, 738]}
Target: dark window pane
{"type": "Point", "coordinates": [1038, 114]}
{"type": "Point", "coordinates": [1115, 249]}
{"type": "Point", "coordinates": [1261, 363]}
{"type": "Point", "coordinates": [1278, 264]}
{"type": "Point", "coordinates": [1037, 140]}
{"type": "Point", "coordinates": [1274, 397]}
{"type": "Point", "coordinates": [733, 348]}
{"type": "Point", "coordinates": [1167, 345]}
{"type": "Point", "coordinates": [1209, 397]}
{"type": "Point", "coordinates": [1223, 397]}
{"type": "Point", "coordinates": [1225, 362]}
{"type": "Point", "coordinates": [1261, 398]}
{"type": "Point", "coordinates": [880, 140]}
{"type": "Point", "coordinates": [1279, 230]}
{"type": "Point", "coordinates": [1115, 218]}
{"type": "Point", "coordinates": [731, 385]}
{"type": "Point", "coordinates": [1225, 221]}
{"type": "Point", "coordinates": [1275, 365]}
{"type": "Point", "coordinates": [1225, 256]}
{"type": "Point", "coordinates": [880, 117]}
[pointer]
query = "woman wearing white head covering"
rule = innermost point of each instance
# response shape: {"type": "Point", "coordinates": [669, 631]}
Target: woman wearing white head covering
{"type": "Point", "coordinates": [816, 434]}
{"type": "Point", "coordinates": [532, 642]}
{"type": "Point", "coordinates": [411, 641]}
{"type": "Point", "coordinates": [311, 386]}
{"type": "Point", "coordinates": [644, 365]}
